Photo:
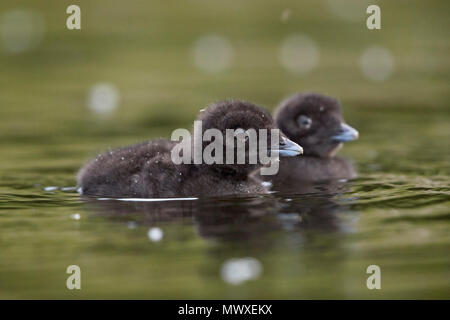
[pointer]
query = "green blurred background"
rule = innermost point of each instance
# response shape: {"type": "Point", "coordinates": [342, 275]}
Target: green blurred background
{"type": "Point", "coordinates": [145, 50]}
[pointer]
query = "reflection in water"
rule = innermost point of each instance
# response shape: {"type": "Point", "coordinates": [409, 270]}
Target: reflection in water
{"type": "Point", "coordinates": [236, 217]}
{"type": "Point", "coordinates": [247, 230]}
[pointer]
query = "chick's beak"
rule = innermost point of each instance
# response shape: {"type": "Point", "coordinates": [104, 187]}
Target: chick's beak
{"type": "Point", "coordinates": [345, 134]}
{"type": "Point", "coordinates": [289, 148]}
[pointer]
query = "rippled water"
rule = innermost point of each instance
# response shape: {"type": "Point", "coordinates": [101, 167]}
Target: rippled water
{"type": "Point", "coordinates": [288, 244]}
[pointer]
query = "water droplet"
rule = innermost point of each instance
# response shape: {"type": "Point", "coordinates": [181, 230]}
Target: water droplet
{"type": "Point", "coordinates": [266, 184]}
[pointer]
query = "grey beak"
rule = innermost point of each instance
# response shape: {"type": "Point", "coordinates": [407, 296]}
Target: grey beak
{"type": "Point", "coordinates": [346, 134]}
{"type": "Point", "coordinates": [289, 148]}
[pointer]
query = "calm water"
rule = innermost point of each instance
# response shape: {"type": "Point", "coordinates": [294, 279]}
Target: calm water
{"type": "Point", "coordinates": [302, 245]}
{"type": "Point", "coordinates": [153, 57]}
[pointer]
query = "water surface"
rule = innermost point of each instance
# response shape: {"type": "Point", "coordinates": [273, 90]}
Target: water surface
{"type": "Point", "coordinates": [307, 245]}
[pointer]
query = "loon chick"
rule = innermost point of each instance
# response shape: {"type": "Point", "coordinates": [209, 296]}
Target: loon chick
{"type": "Point", "coordinates": [315, 122]}
{"type": "Point", "coordinates": [146, 170]}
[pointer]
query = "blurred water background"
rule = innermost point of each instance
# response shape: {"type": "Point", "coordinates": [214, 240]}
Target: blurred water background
{"type": "Point", "coordinates": [139, 69]}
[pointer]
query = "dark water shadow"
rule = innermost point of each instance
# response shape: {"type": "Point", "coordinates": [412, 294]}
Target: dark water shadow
{"type": "Point", "coordinates": [253, 219]}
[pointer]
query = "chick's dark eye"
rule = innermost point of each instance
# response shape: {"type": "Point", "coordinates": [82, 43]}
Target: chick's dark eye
{"type": "Point", "coordinates": [304, 122]}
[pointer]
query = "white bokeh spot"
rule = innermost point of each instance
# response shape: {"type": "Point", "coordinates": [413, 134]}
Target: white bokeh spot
{"type": "Point", "coordinates": [21, 30]}
{"type": "Point", "coordinates": [299, 54]}
{"type": "Point", "coordinates": [103, 98]}
{"type": "Point", "coordinates": [237, 271]}
{"type": "Point", "coordinates": [212, 53]}
{"type": "Point", "coordinates": [155, 234]}
{"type": "Point", "coordinates": [75, 216]}
{"type": "Point", "coordinates": [376, 63]}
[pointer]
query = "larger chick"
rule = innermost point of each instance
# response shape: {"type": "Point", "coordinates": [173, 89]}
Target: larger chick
{"type": "Point", "coordinates": [146, 170]}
